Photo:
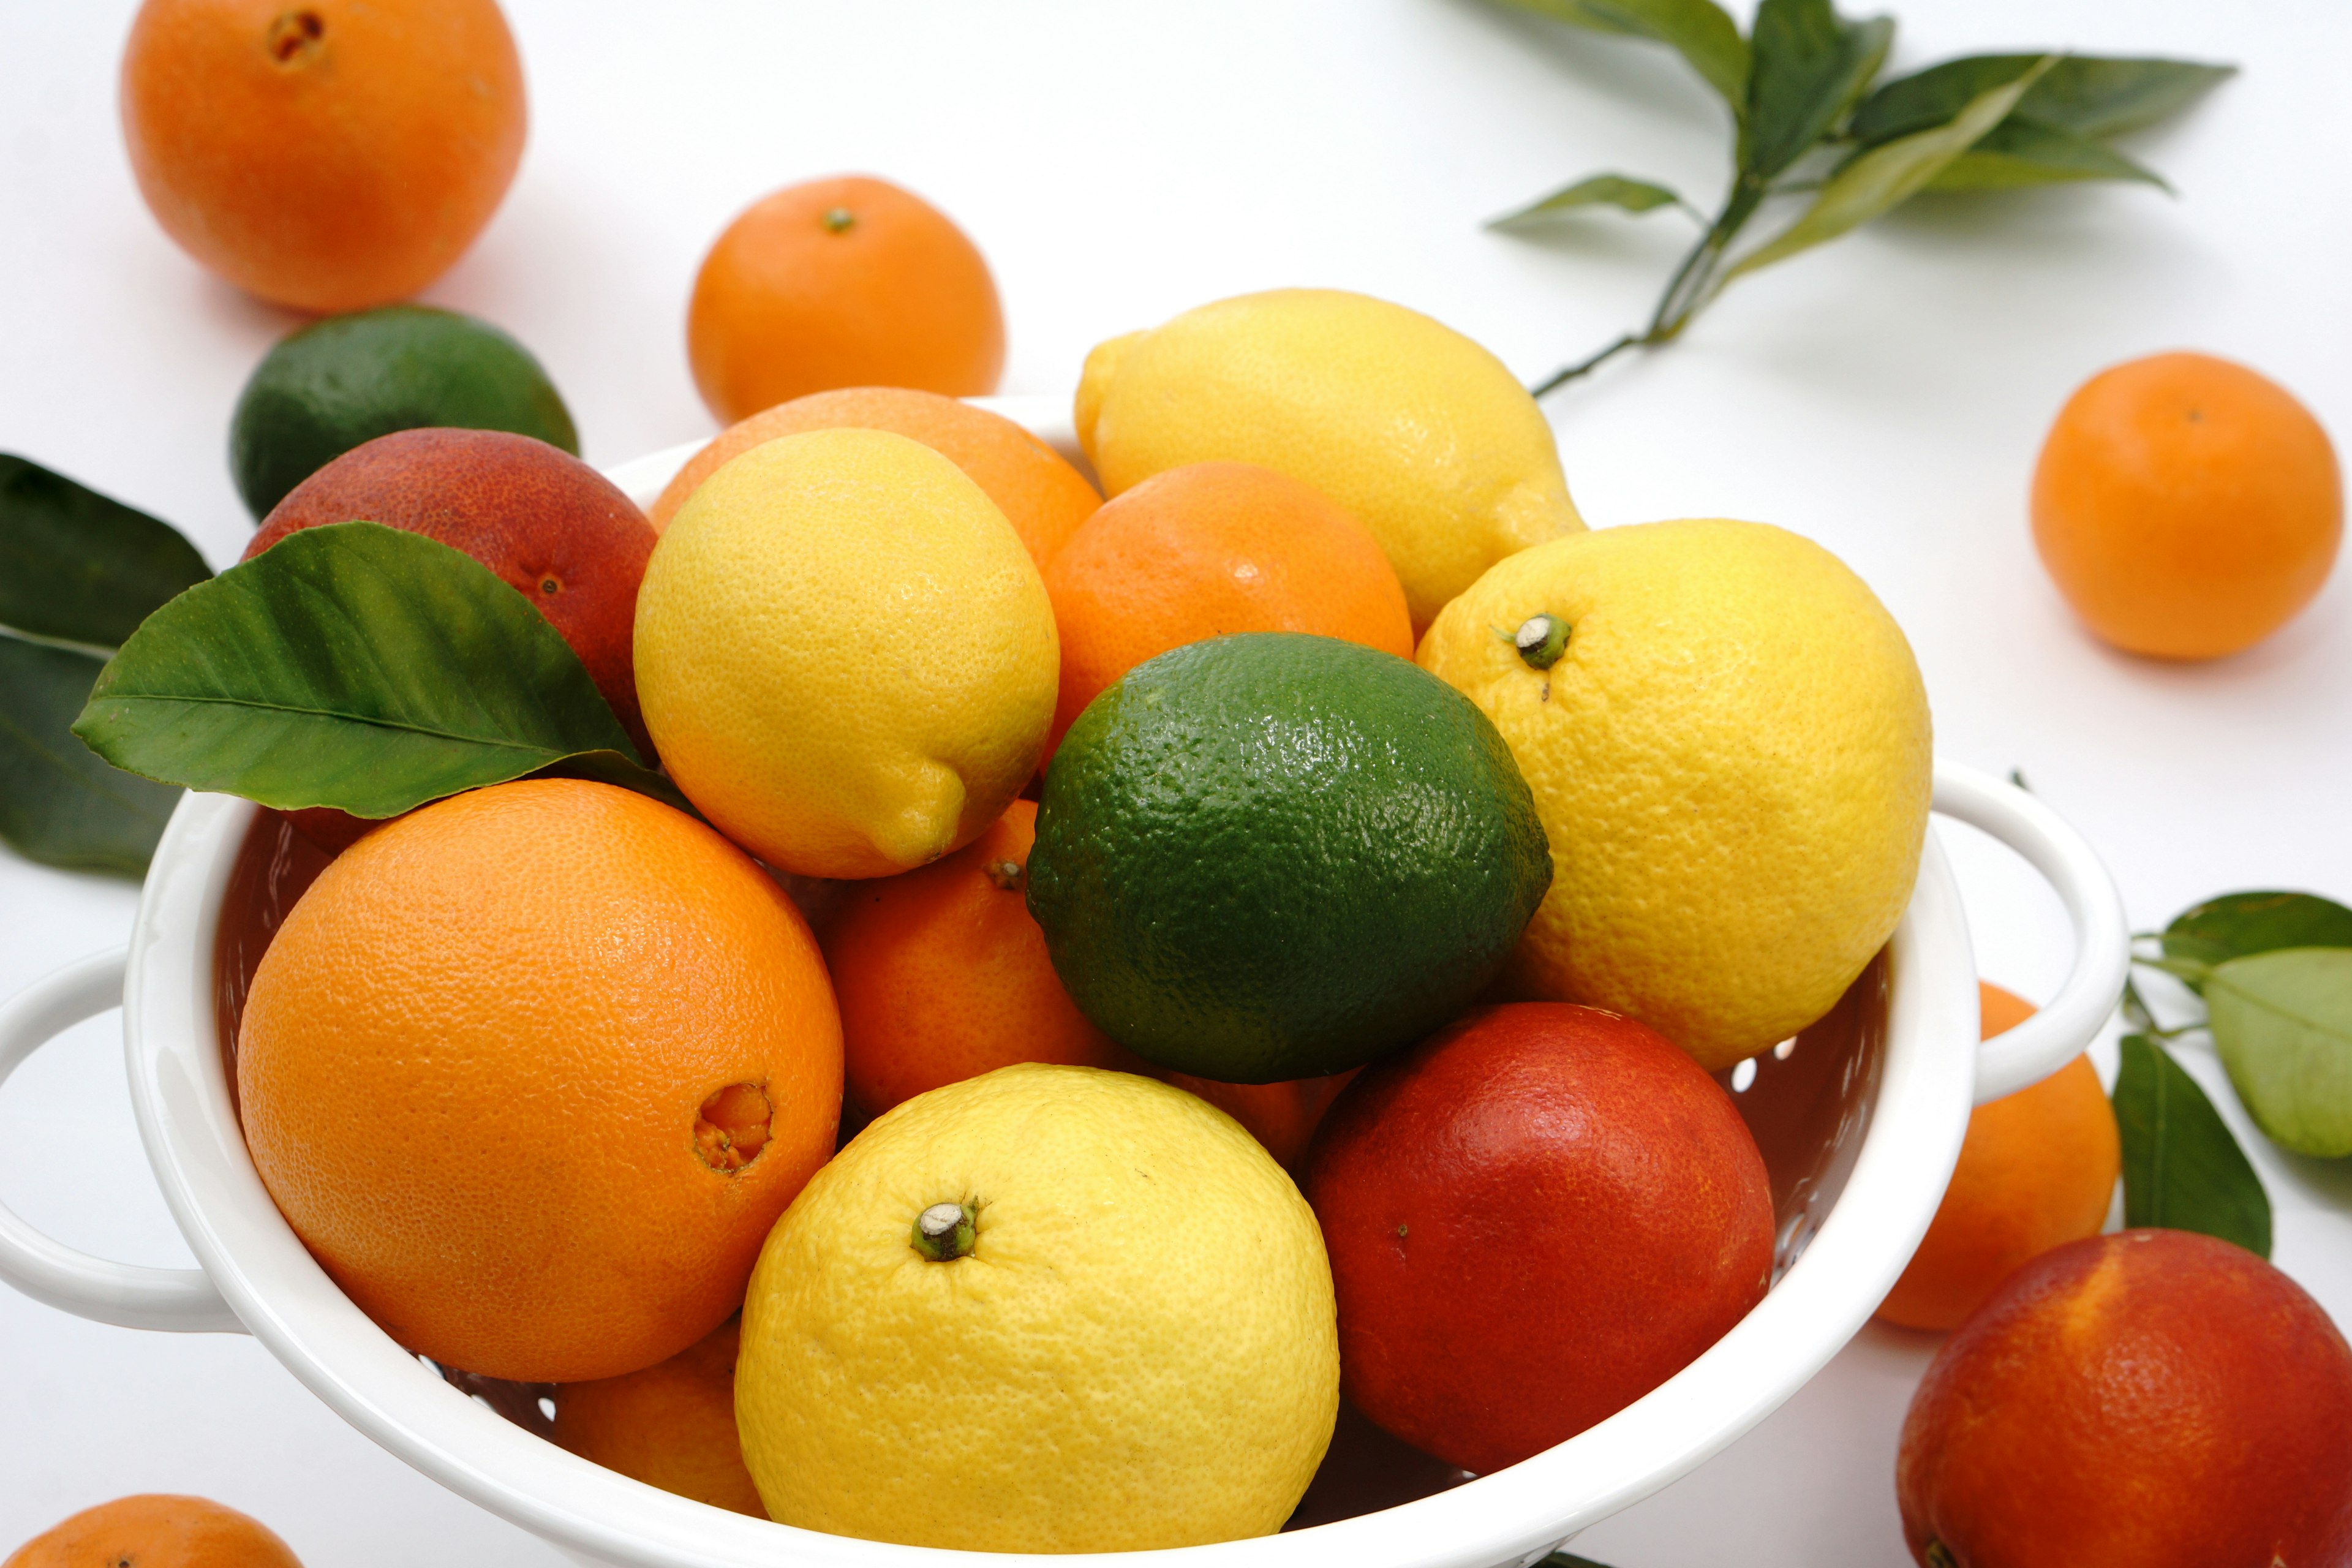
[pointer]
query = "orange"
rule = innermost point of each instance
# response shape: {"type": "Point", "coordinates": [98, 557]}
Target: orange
{"type": "Point", "coordinates": [2038, 1170]}
{"type": "Point", "coordinates": [849, 281]}
{"type": "Point", "coordinates": [2185, 506]}
{"type": "Point", "coordinates": [1281, 1116]}
{"type": "Point", "coordinates": [1043, 497]}
{"type": "Point", "coordinates": [942, 975]}
{"type": "Point", "coordinates": [156, 1530]}
{"type": "Point", "coordinates": [531, 1072]}
{"type": "Point", "coordinates": [323, 155]}
{"type": "Point", "coordinates": [1207, 548]}
{"type": "Point", "coordinates": [671, 1426]}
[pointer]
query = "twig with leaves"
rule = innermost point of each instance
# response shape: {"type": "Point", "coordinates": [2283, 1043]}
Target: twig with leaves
{"type": "Point", "coordinates": [1812, 119]}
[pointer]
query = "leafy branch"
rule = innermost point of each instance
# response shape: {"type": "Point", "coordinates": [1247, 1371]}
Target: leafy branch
{"type": "Point", "coordinates": [1810, 117]}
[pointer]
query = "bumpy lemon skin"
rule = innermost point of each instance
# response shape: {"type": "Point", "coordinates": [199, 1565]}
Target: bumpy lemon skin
{"type": "Point", "coordinates": [845, 655]}
{"type": "Point", "coordinates": [1420, 433]}
{"type": "Point", "coordinates": [1732, 759]}
{"type": "Point", "coordinates": [1141, 1350]}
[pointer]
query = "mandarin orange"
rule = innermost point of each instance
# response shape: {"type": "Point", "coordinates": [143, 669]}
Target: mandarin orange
{"type": "Point", "coordinates": [323, 155]}
{"type": "Point", "coordinates": [2038, 1170]}
{"type": "Point", "coordinates": [156, 1530]}
{"type": "Point", "coordinates": [1040, 494]}
{"type": "Point", "coordinates": [849, 281]}
{"type": "Point", "coordinates": [531, 1070]}
{"type": "Point", "coordinates": [670, 1425]}
{"type": "Point", "coordinates": [2187, 507]}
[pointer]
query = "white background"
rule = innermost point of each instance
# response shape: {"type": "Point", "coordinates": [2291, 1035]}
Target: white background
{"type": "Point", "coordinates": [1119, 162]}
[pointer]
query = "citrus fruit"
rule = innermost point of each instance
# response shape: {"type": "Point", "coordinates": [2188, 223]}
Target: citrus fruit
{"type": "Point", "coordinates": [156, 1530]}
{"type": "Point", "coordinates": [2038, 1169]}
{"type": "Point", "coordinates": [845, 654]}
{"type": "Point", "coordinates": [1535, 1217]}
{"type": "Point", "coordinates": [1415, 431]}
{"type": "Point", "coordinates": [1040, 494]}
{"type": "Point", "coordinates": [532, 1069]}
{"type": "Point", "coordinates": [1208, 549]}
{"type": "Point", "coordinates": [2155, 1399]}
{"type": "Point", "coordinates": [1727, 740]}
{"type": "Point", "coordinates": [670, 1425]}
{"type": "Point", "coordinates": [349, 379]}
{"type": "Point", "coordinates": [1117, 1335]}
{"type": "Point", "coordinates": [942, 975]}
{"type": "Point", "coordinates": [551, 527]}
{"type": "Point", "coordinates": [2187, 507]}
{"type": "Point", "coordinates": [1281, 1116]}
{"type": "Point", "coordinates": [849, 281]}
{"type": "Point", "coordinates": [327, 155]}
{"type": "Point", "coordinates": [1273, 855]}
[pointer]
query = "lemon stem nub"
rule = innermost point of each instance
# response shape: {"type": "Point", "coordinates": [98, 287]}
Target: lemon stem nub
{"type": "Point", "coordinates": [944, 1232]}
{"type": "Point", "coordinates": [1541, 639]}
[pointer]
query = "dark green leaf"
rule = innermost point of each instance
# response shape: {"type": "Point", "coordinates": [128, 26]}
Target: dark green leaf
{"type": "Point", "coordinates": [2236, 924]}
{"type": "Point", "coordinates": [2021, 151]}
{"type": "Point", "coordinates": [2283, 1024]}
{"type": "Point", "coordinates": [1811, 65]}
{"type": "Point", "coordinates": [358, 667]}
{"type": "Point", "coordinates": [1599, 190]}
{"type": "Point", "coordinates": [59, 804]}
{"type": "Point", "coordinates": [79, 567]}
{"type": "Point", "coordinates": [1875, 182]}
{"type": "Point", "coordinates": [2091, 96]}
{"type": "Point", "coordinates": [1701, 31]}
{"type": "Point", "coordinates": [2182, 1170]}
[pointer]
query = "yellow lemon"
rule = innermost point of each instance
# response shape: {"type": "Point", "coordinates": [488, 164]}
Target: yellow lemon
{"type": "Point", "coordinates": [1418, 431]}
{"type": "Point", "coordinates": [1731, 756]}
{"type": "Point", "coordinates": [1051, 1308]}
{"type": "Point", "coordinates": [845, 655]}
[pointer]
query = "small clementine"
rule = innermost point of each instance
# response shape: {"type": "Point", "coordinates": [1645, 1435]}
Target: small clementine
{"type": "Point", "coordinates": [156, 1530]}
{"type": "Point", "coordinates": [670, 1425]}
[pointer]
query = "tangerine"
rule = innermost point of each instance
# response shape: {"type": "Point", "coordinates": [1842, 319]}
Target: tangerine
{"type": "Point", "coordinates": [322, 154]}
{"type": "Point", "coordinates": [156, 1530]}
{"type": "Point", "coordinates": [531, 1070]}
{"type": "Point", "coordinates": [1206, 550]}
{"type": "Point", "coordinates": [2038, 1169]}
{"type": "Point", "coordinates": [2187, 507]}
{"type": "Point", "coordinates": [849, 281]}
{"type": "Point", "coordinates": [1040, 495]}
{"type": "Point", "coordinates": [671, 1424]}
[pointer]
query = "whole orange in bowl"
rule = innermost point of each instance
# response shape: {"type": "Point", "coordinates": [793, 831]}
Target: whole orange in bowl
{"type": "Point", "coordinates": [531, 1070]}
{"type": "Point", "coordinates": [1206, 550]}
{"type": "Point", "coordinates": [323, 155]}
{"type": "Point", "coordinates": [2187, 507]}
{"type": "Point", "coordinates": [849, 281]}
{"type": "Point", "coordinates": [156, 1530]}
{"type": "Point", "coordinates": [1040, 494]}
{"type": "Point", "coordinates": [671, 1424]}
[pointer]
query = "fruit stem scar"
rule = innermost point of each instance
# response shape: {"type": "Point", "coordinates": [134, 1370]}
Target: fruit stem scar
{"type": "Point", "coordinates": [945, 1232]}
{"type": "Point", "coordinates": [1007, 875]}
{"type": "Point", "coordinates": [1541, 639]}
{"type": "Point", "coordinates": [1940, 1555]}
{"type": "Point", "coordinates": [837, 220]}
{"type": "Point", "coordinates": [293, 36]}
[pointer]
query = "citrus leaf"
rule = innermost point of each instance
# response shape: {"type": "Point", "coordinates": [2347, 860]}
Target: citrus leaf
{"type": "Point", "coordinates": [358, 666]}
{"type": "Point", "coordinates": [2236, 924]}
{"type": "Point", "coordinates": [2182, 1170]}
{"type": "Point", "coordinates": [78, 566]}
{"type": "Point", "coordinates": [1873, 182]}
{"type": "Point", "coordinates": [1701, 31]}
{"type": "Point", "coordinates": [59, 804]}
{"type": "Point", "coordinates": [2283, 1024]}
{"type": "Point", "coordinates": [1809, 66]}
{"type": "Point", "coordinates": [2089, 95]}
{"type": "Point", "coordinates": [2021, 151]}
{"type": "Point", "coordinates": [1925, 99]}
{"type": "Point", "coordinates": [1597, 190]}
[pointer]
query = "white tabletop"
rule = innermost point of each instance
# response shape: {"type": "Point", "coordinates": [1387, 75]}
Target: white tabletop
{"type": "Point", "coordinates": [1118, 165]}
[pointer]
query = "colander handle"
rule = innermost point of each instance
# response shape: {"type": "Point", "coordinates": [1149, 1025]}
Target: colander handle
{"type": "Point", "coordinates": [2058, 1033]}
{"type": "Point", "coordinates": [129, 1295]}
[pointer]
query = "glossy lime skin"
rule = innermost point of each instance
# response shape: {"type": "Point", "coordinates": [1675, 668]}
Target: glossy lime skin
{"type": "Point", "coordinates": [1271, 856]}
{"type": "Point", "coordinates": [343, 382]}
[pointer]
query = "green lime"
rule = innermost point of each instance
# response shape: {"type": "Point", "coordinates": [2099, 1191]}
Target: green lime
{"type": "Point", "coordinates": [340, 382]}
{"type": "Point", "coordinates": [1272, 855]}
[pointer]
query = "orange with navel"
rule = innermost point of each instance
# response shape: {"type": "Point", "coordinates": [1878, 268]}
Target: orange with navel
{"type": "Point", "coordinates": [1040, 494]}
{"type": "Point", "coordinates": [531, 1070]}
